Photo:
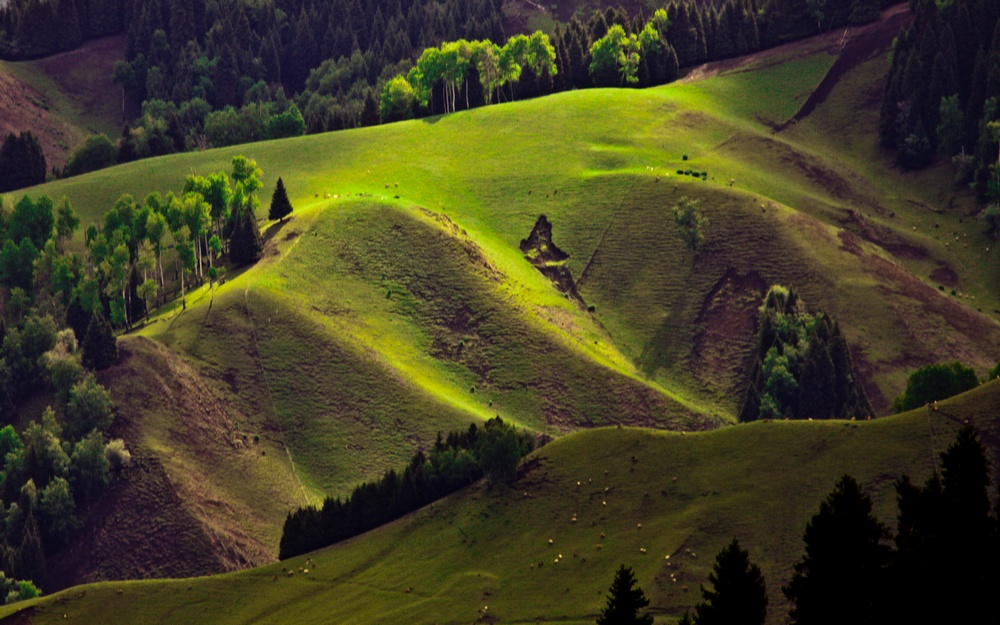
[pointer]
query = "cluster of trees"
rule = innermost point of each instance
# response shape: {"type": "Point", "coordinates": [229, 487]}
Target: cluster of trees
{"type": "Point", "coordinates": [41, 282]}
{"type": "Point", "coordinates": [932, 383]}
{"type": "Point", "coordinates": [942, 92]}
{"type": "Point", "coordinates": [22, 163]}
{"type": "Point", "coordinates": [211, 216]}
{"type": "Point", "coordinates": [56, 467]}
{"type": "Point", "coordinates": [61, 463]}
{"type": "Point", "coordinates": [208, 56]}
{"type": "Point", "coordinates": [455, 462]}
{"type": "Point", "coordinates": [691, 222]}
{"type": "Point", "coordinates": [940, 566]}
{"type": "Point", "coordinates": [803, 367]}
{"type": "Point", "coordinates": [478, 71]}
{"type": "Point", "coordinates": [33, 28]}
{"type": "Point", "coordinates": [122, 272]}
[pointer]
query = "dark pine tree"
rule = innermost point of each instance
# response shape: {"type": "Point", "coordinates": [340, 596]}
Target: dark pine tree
{"type": "Point", "coordinates": [100, 347]}
{"type": "Point", "coordinates": [946, 526]}
{"type": "Point", "coordinates": [841, 578]}
{"type": "Point", "coordinates": [22, 163]}
{"type": "Point", "coordinates": [280, 206]}
{"type": "Point", "coordinates": [30, 559]}
{"type": "Point", "coordinates": [245, 244]}
{"type": "Point", "coordinates": [738, 595]}
{"type": "Point", "coordinates": [625, 602]}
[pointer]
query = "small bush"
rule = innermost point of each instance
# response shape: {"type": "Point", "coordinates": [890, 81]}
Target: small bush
{"type": "Point", "coordinates": [684, 157]}
{"type": "Point", "coordinates": [591, 308]}
{"type": "Point", "coordinates": [994, 373]}
{"type": "Point", "coordinates": [118, 457]}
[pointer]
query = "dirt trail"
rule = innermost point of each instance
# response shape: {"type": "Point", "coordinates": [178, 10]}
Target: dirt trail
{"type": "Point", "coordinates": [864, 40]}
{"type": "Point", "coordinates": [859, 45]}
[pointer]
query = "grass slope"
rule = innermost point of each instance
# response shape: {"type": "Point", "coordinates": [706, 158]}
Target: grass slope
{"type": "Point", "coordinates": [485, 555]}
{"type": "Point", "coordinates": [63, 98]}
{"type": "Point", "coordinates": [375, 320]}
{"type": "Point", "coordinates": [488, 173]}
{"type": "Point", "coordinates": [202, 495]}
{"type": "Point", "coordinates": [397, 342]}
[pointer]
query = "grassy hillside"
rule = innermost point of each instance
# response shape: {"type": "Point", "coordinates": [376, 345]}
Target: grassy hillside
{"type": "Point", "coordinates": [63, 98]}
{"type": "Point", "coordinates": [395, 302]}
{"type": "Point", "coordinates": [485, 554]}
{"type": "Point", "coordinates": [803, 210]}
{"type": "Point", "coordinates": [399, 341]}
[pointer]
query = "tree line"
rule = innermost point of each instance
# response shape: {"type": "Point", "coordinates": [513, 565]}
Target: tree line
{"type": "Point", "coordinates": [802, 368]}
{"type": "Point", "coordinates": [940, 566]}
{"type": "Point", "coordinates": [942, 92]}
{"type": "Point", "coordinates": [22, 163]}
{"type": "Point", "coordinates": [462, 458]}
{"type": "Point", "coordinates": [34, 28]}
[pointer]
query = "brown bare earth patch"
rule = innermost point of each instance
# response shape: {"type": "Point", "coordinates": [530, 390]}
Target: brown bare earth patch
{"type": "Point", "coordinates": [83, 100]}
{"type": "Point", "coordinates": [845, 186]}
{"type": "Point", "coordinates": [166, 515]}
{"type": "Point", "coordinates": [728, 323]}
{"type": "Point", "coordinates": [857, 45]}
{"type": "Point", "coordinates": [883, 237]}
{"type": "Point", "coordinates": [23, 108]}
{"type": "Point", "coordinates": [850, 242]}
{"type": "Point", "coordinates": [945, 276]}
{"type": "Point", "coordinates": [937, 327]}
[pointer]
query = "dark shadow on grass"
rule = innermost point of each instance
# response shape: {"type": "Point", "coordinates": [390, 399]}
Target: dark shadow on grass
{"type": "Point", "coordinates": [271, 231]}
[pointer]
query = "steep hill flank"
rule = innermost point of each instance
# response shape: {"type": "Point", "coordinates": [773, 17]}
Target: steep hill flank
{"type": "Point", "coordinates": [63, 98]}
{"type": "Point", "coordinates": [200, 497]}
{"type": "Point", "coordinates": [369, 327]}
{"type": "Point", "coordinates": [487, 172]}
{"type": "Point", "coordinates": [694, 315]}
{"type": "Point", "coordinates": [484, 555]}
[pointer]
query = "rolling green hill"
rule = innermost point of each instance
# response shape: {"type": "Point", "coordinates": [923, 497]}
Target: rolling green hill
{"type": "Point", "coordinates": [485, 555]}
{"type": "Point", "coordinates": [396, 303]}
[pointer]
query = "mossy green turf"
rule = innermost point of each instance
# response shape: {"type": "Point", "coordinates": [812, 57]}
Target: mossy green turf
{"type": "Point", "coordinates": [486, 552]}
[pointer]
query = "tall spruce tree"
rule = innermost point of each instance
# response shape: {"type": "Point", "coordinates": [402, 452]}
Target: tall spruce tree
{"type": "Point", "coordinates": [841, 578]}
{"type": "Point", "coordinates": [245, 245]}
{"type": "Point", "coordinates": [738, 594]}
{"type": "Point", "coordinates": [100, 347]}
{"type": "Point", "coordinates": [946, 527]}
{"type": "Point", "coordinates": [22, 163]}
{"type": "Point", "coordinates": [280, 206]}
{"type": "Point", "coordinates": [625, 601]}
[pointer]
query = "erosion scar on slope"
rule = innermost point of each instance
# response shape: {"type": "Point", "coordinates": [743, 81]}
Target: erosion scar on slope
{"type": "Point", "coordinates": [860, 43]}
{"type": "Point", "coordinates": [267, 386]}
